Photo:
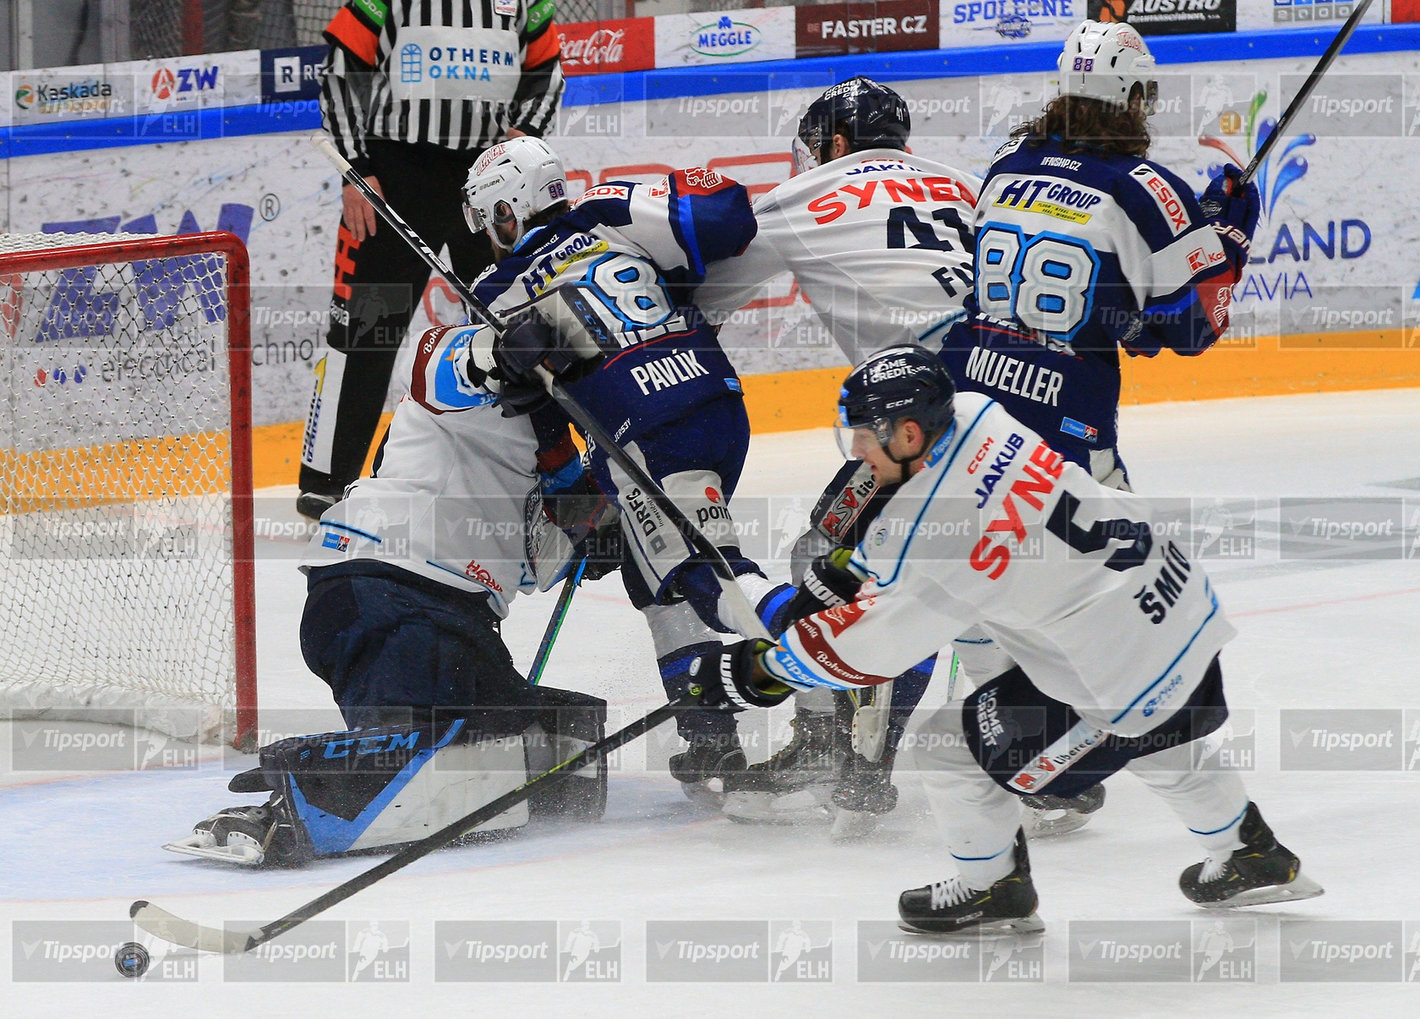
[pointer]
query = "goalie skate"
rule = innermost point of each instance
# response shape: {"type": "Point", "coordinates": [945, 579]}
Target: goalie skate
{"type": "Point", "coordinates": [245, 836]}
{"type": "Point", "coordinates": [1262, 871]}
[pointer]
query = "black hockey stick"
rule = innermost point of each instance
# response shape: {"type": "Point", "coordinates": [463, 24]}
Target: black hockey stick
{"type": "Point", "coordinates": [745, 621]}
{"type": "Point", "coordinates": [234, 941]}
{"type": "Point", "coordinates": [554, 625]}
{"type": "Point", "coordinates": [1308, 86]}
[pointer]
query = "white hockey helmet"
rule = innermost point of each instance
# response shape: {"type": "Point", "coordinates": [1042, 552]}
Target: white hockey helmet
{"type": "Point", "coordinates": [509, 184]}
{"type": "Point", "coordinates": [1105, 61]}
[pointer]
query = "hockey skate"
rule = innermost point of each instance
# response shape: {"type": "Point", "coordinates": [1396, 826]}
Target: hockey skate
{"type": "Point", "coordinates": [1060, 815]}
{"type": "Point", "coordinates": [865, 792]}
{"type": "Point", "coordinates": [245, 836]}
{"type": "Point", "coordinates": [795, 785]}
{"type": "Point", "coordinates": [711, 757]}
{"type": "Point", "coordinates": [1262, 871]}
{"type": "Point", "coordinates": [949, 907]}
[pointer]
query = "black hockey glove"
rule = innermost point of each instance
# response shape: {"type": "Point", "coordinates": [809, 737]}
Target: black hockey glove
{"type": "Point", "coordinates": [1232, 209]}
{"type": "Point", "coordinates": [828, 583]}
{"type": "Point", "coordinates": [730, 678]}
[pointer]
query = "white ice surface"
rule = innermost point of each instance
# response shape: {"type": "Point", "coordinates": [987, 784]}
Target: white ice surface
{"type": "Point", "coordinates": [1313, 634]}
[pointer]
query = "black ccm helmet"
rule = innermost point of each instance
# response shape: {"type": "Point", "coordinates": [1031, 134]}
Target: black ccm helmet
{"type": "Point", "coordinates": [899, 382]}
{"type": "Point", "coordinates": [868, 114]}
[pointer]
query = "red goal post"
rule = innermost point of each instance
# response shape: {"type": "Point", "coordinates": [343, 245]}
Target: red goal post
{"type": "Point", "coordinates": [126, 532]}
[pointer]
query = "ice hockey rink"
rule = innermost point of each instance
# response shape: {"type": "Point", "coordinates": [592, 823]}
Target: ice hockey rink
{"type": "Point", "coordinates": [1327, 645]}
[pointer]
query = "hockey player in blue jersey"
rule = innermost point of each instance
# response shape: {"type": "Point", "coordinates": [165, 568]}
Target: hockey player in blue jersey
{"type": "Point", "coordinates": [1084, 248]}
{"type": "Point", "coordinates": [598, 292]}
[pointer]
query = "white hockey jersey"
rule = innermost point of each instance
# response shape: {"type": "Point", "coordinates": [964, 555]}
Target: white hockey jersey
{"type": "Point", "coordinates": [879, 241]}
{"type": "Point", "coordinates": [447, 502]}
{"type": "Point", "coordinates": [1067, 576]}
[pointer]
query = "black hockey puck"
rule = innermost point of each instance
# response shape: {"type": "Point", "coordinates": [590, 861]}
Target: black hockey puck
{"type": "Point", "coordinates": [131, 960]}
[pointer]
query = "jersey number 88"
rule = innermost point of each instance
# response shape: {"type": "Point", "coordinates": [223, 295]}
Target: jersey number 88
{"type": "Point", "coordinates": [1046, 283]}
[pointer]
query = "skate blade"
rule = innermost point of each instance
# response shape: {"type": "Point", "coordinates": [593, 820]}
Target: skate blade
{"type": "Point", "coordinates": [197, 845]}
{"type": "Point", "coordinates": [1050, 823]}
{"type": "Point", "coordinates": [1016, 927]}
{"type": "Point", "coordinates": [1300, 887]}
{"type": "Point", "coordinates": [802, 807]}
{"type": "Point", "coordinates": [851, 825]}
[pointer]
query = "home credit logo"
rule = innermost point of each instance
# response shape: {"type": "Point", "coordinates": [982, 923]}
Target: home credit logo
{"type": "Point", "coordinates": [599, 47]}
{"type": "Point", "coordinates": [837, 29]}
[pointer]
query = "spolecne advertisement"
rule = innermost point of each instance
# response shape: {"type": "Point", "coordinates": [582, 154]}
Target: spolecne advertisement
{"type": "Point", "coordinates": [994, 22]}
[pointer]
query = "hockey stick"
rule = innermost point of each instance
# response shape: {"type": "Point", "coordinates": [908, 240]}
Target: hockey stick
{"type": "Point", "coordinates": [737, 604]}
{"type": "Point", "coordinates": [1308, 86]}
{"type": "Point", "coordinates": [554, 625]}
{"type": "Point", "coordinates": [234, 941]}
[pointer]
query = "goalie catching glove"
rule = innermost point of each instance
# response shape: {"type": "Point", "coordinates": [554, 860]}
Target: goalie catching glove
{"type": "Point", "coordinates": [729, 677]}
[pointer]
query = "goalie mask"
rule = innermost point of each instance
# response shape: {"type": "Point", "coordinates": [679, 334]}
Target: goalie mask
{"type": "Point", "coordinates": [869, 115]}
{"type": "Point", "coordinates": [508, 185]}
{"type": "Point", "coordinates": [900, 382]}
{"type": "Point", "coordinates": [1105, 62]}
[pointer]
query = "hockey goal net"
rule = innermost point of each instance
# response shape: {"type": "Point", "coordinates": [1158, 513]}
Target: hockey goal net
{"type": "Point", "coordinates": [125, 483]}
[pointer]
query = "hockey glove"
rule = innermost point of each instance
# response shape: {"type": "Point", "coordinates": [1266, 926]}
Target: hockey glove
{"type": "Point", "coordinates": [729, 677]}
{"type": "Point", "coordinates": [828, 583]}
{"type": "Point", "coordinates": [1232, 209]}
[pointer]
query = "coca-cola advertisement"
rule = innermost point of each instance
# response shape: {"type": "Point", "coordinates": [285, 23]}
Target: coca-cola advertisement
{"type": "Point", "coordinates": [599, 47]}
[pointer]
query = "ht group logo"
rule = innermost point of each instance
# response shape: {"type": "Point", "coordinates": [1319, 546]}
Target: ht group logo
{"type": "Point", "coordinates": [1343, 951]}
{"type": "Point", "coordinates": [315, 952]}
{"type": "Point", "coordinates": [377, 952]}
{"type": "Point", "coordinates": [707, 951]}
{"type": "Point", "coordinates": [885, 955]}
{"type": "Point", "coordinates": [497, 951]}
{"type": "Point", "coordinates": [1224, 951]}
{"type": "Point", "coordinates": [1141, 951]}
{"type": "Point", "coordinates": [1342, 739]}
{"type": "Point", "coordinates": [589, 951]}
{"type": "Point", "coordinates": [79, 951]}
{"type": "Point", "coordinates": [107, 742]}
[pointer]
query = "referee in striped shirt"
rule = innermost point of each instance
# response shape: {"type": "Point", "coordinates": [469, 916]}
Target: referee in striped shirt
{"type": "Point", "coordinates": [412, 91]}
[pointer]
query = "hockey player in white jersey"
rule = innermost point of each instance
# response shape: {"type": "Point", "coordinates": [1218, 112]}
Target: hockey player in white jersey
{"type": "Point", "coordinates": [1086, 248]}
{"type": "Point", "coordinates": [1114, 633]}
{"type": "Point", "coordinates": [407, 580]}
{"type": "Point", "coordinates": [880, 243]}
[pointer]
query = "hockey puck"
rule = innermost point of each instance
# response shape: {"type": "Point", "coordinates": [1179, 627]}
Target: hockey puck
{"type": "Point", "coordinates": [131, 960]}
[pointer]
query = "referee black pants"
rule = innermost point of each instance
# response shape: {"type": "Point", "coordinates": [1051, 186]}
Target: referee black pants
{"type": "Point", "coordinates": [378, 285]}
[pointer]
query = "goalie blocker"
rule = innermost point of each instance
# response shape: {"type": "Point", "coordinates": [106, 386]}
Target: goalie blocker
{"type": "Point", "coordinates": [382, 787]}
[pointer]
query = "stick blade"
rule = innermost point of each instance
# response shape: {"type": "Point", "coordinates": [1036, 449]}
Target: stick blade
{"type": "Point", "coordinates": [177, 931]}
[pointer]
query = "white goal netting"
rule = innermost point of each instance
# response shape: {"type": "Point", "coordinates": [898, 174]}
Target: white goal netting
{"type": "Point", "coordinates": [124, 477]}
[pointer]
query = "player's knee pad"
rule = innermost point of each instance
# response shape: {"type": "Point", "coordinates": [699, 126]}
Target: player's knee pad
{"type": "Point", "coordinates": [382, 787]}
{"type": "Point", "coordinates": [653, 543]}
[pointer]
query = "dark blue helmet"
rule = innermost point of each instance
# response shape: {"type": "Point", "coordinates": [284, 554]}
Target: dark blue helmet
{"type": "Point", "coordinates": [900, 382]}
{"type": "Point", "coordinates": [869, 115]}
